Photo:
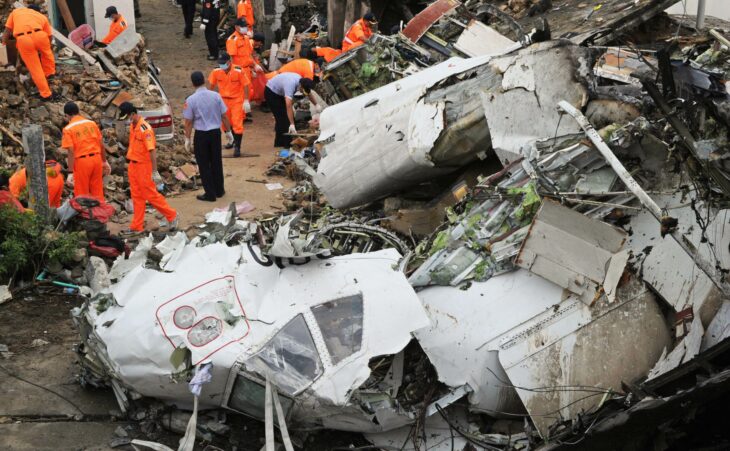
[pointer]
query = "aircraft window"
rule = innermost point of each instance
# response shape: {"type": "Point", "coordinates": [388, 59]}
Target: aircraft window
{"type": "Point", "coordinates": [290, 358]}
{"type": "Point", "coordinates": [247, 397]}
{"type": "Point", "coordinates": [341, 324]}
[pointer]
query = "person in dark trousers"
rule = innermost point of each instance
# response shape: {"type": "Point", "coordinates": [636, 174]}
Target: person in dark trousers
{"type": "Point", "coordinates": [210, 16]}
{"type": "Point", "coordinates": [205, 111]}
{"type": "Point", "coordinates": [188, 10]}
{"type": "Point", "coordinates": [279, 94]}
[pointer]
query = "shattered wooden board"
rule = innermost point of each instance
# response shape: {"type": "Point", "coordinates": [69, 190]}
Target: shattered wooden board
{"type": "Point", "coordinates": [577, 19]}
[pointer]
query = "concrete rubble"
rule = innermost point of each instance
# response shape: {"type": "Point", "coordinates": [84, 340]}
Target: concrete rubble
{"type": "Point", "coordinates": [513, 246]}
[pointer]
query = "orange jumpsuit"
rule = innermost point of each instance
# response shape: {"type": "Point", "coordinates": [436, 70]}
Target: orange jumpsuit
{"type": "Point", "coordinates": [115, 29]}
{"type": "Point", "coordinates": [19, 181]}
{"type": "Point", "coordinates": [358, 34]}
{"type": "Point", "coordinates": [141, 143]}
{"type": "Point", "coordinates": [304, 67]}
{"type": "Point", "coordinates": [328, 53]}
{"type": "Point", "coordinates": [240, 47]}
{"type": "Point", "coordinates": [231, 86]}
{"type": "Point", "coordinates": [7, 199]}
{"type": "Point", "coordinates": [33, 35]}
{"type": "Point", "coordinates": [83, 137]}
{"type": "Point", "coordinates": [245, 10]}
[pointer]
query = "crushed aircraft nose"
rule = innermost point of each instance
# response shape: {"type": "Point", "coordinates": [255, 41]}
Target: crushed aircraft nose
{"type": "Point", "coordinates": [312, 329]}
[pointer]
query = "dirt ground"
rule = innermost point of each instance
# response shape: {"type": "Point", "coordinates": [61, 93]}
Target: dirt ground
{"type": "Point", "coordinates": [42, 406]}
{"type": "Point", "coordinates": [162, 26]}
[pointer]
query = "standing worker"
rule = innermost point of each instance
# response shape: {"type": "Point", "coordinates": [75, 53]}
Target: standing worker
{"type": "Point", "coordinates": [118, 24]}
{"type": "Point", "coordinates": [245, 9]}
{"type": "Point", "coordinates": [210, 16]}
{"type": "Point", "coordinates": [86, 153]}
{"type": "Point", "coordinates": [240, 47]}
{"type": "Point", "coordinates": [54, 179]}
{"type": "Point", "coordinates": [279, 95]}
{"type": "Point", "coordinates": [234, 87]}
{"type": "Point", "coordinates": [359, 32]}
{"type": "Point", "coordinates": [204, 111]}
{"type": "Point", "coordinates": [33, 35]}
{"type": "Point", "coordinates": [142, 171]}
{"type": "Point", "coordinates": [188, 10]}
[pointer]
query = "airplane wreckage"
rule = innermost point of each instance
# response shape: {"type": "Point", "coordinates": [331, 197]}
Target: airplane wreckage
{"type": "Point", "coordinates": [575, 295]}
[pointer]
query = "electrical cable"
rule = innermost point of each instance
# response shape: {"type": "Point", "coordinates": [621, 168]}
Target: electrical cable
{"type": "Point", "coordinates": [554, 388]}
{"type": "Point", "coordinates": [470, 439]}
{"type": "Point", "coordinates": [5, 370]}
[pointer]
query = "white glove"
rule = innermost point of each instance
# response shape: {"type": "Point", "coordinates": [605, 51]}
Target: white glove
{"type": "Point", "coordinates": [70, 180]}
{"type": "Point", "coordinates": [292, 129]}
{"type": "Point", "coordinates": [157, 178]}
{"type": "Point", "coordinates": [107, 169]}
{"type": "Point", "coordinates": [202, 26]}
{"type": "Point", "coordinates": [229, 137]}
{"type": "Point", "coordinates": [187, 144]}
{"type": "Point", "coordinates": [246, 106]}
{"type": "Point", "coordinates": [258, 68]}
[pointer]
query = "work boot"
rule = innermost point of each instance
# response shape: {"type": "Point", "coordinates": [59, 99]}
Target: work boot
{"type": "Point", "coordinates": [171, 226]}
{"type": "Point", "coordinates": [237, 141]}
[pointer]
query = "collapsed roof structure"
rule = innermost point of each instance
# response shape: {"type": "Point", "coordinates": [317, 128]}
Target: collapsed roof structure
{"type": "Point", "coordinates": [576, 290]}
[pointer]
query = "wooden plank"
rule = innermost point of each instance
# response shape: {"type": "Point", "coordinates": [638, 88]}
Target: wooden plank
{"type": "Point", "coordinates": [66, 14]}
{"type": "Point", "coordinates": [10, 134]}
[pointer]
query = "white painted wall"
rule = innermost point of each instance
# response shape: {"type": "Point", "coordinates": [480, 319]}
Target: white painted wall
{"type": "Point", "coordinates": [101, 25]}
{"type": "Point", "coordinates": [717, 8]}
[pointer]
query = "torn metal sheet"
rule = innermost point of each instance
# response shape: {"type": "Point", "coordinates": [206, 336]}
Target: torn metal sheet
{"type": "Point", "coordinates": [433, 122]}
{"type": "Point", "coordinates": [479, 39]}
{"type": "Point", "coordinates": [587, 249]}
{"type": "Point", "coordinates": [454, 342]}
{"type": "Point", "coordinates": [372, 143]}
{"type": "Point", "coordinates": [685, 351]}
{"type": "Point", "coordinates": [719, 328]}
{"type": "Point", "coordinates": [532, 83]}
{"type": "Point", "coordinates": [574, 345]}
{"type": "Point", "coordinates": [311, 328]}
{"type": "Point", "coordinates": [622, 65]}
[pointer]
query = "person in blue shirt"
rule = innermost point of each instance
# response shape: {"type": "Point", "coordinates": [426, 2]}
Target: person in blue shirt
{"type": "Point", "coordinates": [205, 112]}
{"type": "Point", "coordinates": [279, 95]}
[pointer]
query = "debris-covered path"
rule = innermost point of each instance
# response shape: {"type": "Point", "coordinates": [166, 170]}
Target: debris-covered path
{"type": "Point", "coordinates": [177, 57]}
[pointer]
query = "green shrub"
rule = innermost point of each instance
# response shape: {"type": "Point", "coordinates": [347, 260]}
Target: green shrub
{"type": "Point", "coordinates": [27, 242]}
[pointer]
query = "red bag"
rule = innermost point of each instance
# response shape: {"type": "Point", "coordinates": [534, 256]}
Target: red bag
{"type": "Point", "coordinates": [92, 208]}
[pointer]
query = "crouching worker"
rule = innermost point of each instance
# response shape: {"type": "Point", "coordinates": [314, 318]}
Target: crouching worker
{"type": "Point", "coordinates": [7, 200]}
{"type": "Point", "coordinates": [142, 171]}
{"type": "Point", "coordinates": [54, 178]}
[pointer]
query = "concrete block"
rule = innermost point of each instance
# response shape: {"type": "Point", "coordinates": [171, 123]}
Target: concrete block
{"type": "Point", "coordinates": [125, 42]}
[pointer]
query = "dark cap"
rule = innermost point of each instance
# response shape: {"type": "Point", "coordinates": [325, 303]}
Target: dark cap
{"type": "Point", "coordinates": [35, 8]}
{"type": "Point", "coordinates": [197, 78]}
{"type": "Point", "coordinates": [125, 109]}
{"type": "Point", "coordinates": [109, 11]}
{"type": "Point", "coordinates": [241, 22]}
{"type": "Point", "coordinates": [224, 58]}
{"type": "Point", "coordinates": [370, 17]}
{"type": "Point", "coordinates": [259, 37]}
{"type": "Point", "coordinates": [306, 84]}
{"type": "Point", "coordinates": [71, 109]}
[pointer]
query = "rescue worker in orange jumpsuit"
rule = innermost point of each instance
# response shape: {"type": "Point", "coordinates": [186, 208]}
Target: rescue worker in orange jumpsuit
{"type": "Point", "coordinates": [54, 178]}
{"type": "Point", "coordinates": [234, 86]}
{"type": "Point", "coordinates": [142, 171]}
{"type": "Point", "coordinates": [304, 67]}
{"type": "Point", "coordinates": [359, 32]}
{"type": "Point", "coordinates": [245, 9]}
{"type": "Point", "coordinates": [118, 24]}
{"type": "Point", "coordinates": [240, 48]}
{"type": "Point", "coordinates": [6, 197]}
{"type": "Point", "coordinates": [86, 153]}
{"type": "Point", "coordinates": [326, 53]}
{"type": "Point", "coordinates": [33, 33]}
{"type": "Point", "coordinates": [258, 79]}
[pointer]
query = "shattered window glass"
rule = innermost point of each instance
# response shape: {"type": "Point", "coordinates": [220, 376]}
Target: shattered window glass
{"type": "Point", "coordinates": [341, 324]}
{"type": "Point", "coordinates": [247, 397]}
{"type": "Point", "coordinates": [290, 358]}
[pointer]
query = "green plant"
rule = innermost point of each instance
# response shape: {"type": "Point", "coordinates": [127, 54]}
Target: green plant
{"type": "Point", "coordinates": [27, 243]}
